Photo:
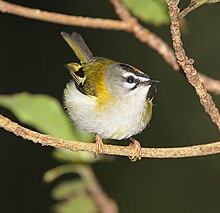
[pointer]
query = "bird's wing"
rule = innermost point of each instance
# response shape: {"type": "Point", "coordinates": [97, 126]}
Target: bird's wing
{"type": "Point", "coordinates": [76, 72]}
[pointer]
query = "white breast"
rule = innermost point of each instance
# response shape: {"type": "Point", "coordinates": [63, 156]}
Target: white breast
{"type": "Point", "coordinates": [121, 119]}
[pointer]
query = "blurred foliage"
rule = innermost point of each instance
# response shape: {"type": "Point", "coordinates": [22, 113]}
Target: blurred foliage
{"type": "Point", "coordinates": [72, 194]}
{"type": "Point", "coordinates": [48, 116]}
{"type": "Point", "coordinates": [150, 11]}
{"type": "Point", "coordinates": [41, 112]}
{"type": "Point", "coordinates": [82, 203]}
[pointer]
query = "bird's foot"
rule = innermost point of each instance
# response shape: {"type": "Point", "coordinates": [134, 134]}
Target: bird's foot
{"type": "Point", "coordinates": [137, 147]}
{"type": "Point", "coordinates": [99, 145]}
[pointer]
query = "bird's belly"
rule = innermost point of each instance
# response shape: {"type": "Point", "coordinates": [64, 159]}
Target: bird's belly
{"type": "Point", "coordinates": [121, 122]}
{"type": "Point", "coordinates": [114, 122]}
{"type": "Point", "coordinates": [118, 120]}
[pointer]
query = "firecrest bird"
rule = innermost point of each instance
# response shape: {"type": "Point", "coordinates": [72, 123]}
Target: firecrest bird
{"type": "Point", "coordinates": [106, 97]}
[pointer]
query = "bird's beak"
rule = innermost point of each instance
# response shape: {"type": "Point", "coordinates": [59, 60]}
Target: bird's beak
{"type": "Point", "coordinates": [151, 82]}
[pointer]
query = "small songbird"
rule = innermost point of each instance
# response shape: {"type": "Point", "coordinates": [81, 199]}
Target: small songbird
{"type": "Point", "coordinates": [106, 97]}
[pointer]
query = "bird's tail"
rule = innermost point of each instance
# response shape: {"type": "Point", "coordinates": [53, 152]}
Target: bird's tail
{"type": "Point", "coordinates": [78, 45]}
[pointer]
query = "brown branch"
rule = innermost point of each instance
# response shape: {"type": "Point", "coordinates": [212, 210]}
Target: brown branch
{"type": "Point", "coordinates": [210, 84]}
{"type": "Point", "coordinates": [58, 18]}
{"type": "Point", "coordinates": [159, 45]}
{"type": "Point", "coordinates": [129, 24]}
{"type": "Point", "coordinates": [192, 6]}
{"type": "Point", "coordinates": [90, 183]}
{"type": "Point", "coordinates": [187, 64]}
{"type": "Point", "coordinates": [106, 204]}
{"type": "Point", "coordinates": [145, 35]}
{"type": "Point", "coordinates": [46, 140]}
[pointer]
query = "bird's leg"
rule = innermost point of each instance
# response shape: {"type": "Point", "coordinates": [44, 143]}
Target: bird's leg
{"type": "Point", "coordinates": [137, 146]}
{"type": "Point", "coordinates": [99, 145]}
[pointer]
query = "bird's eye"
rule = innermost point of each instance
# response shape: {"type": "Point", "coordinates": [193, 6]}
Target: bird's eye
{"type": "Point", "coordinates": [130, 79]}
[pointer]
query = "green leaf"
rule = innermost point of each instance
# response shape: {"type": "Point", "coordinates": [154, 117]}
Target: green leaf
{"type": "Point", "coordinates": [150, 11]}
{"type": "Point", "coordinates": [200, 2]}
{"type": "Point", "coordinates": [58, 171]}
{"type": "Point", "coordinates": [40, 111]}
{"type": "Point", "coordinates": [47, 115]}
{"type": "Point", "coordinates": [213, 1]}
{"type": "Point", "coordinates": [83, 204]}
{"type": "Point", "coordinates": [68, 188]}
{"type": "Point", "coordinates": [68, 156]}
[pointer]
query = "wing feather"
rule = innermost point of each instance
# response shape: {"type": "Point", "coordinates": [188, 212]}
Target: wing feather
{"type": "Point", "coordinates": [74, 69]}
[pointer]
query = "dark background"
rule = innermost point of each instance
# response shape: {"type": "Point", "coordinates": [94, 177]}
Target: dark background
{"type": "Point", "coordinates": [32, 55]}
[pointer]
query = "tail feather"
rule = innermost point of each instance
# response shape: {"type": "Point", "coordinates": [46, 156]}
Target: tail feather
{"type": "Point", "coordinates": [78, 45]}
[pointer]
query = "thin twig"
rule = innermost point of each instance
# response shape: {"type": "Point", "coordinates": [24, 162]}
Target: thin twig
{"type": "Point", "coordinates": [145, 35]}
{"type": "Point", "coordinates": [192, 6]}
{"type": "Point", "coordinates": [58, 18]}
{"type": "Point", "coordinates": [210, 84]}
{"type": "Point", "coordinates": [187, 64]}
{"type": "Point", "coordinates": [106, 204]}
{"type": "Point", "coordinates": [154, 41]}
{"type": "Point", "coordinates": [46, 140]}
{"type": "Point", "coordinates": [129, 24]}
{"type": "Point", "coordinates": [90, 183]}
